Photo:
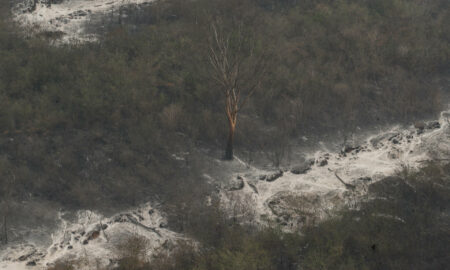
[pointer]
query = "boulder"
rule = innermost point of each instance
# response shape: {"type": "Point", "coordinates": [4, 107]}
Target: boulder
{"type": "Point", "coordinates": [303, 167]}
{"type": "Point", "coordinates": [350, 148]}
{"type": "Point", "coordinates": [23, 257]}
{"type": "Point", "coordinates": [93, 235]}
{"type": "Point", "coordinates": [364, 179]}
{"type": "Point", "coordinates": [419, 125]}
{"type": "Point", "coordinates": [79, 13]}
{"type": "Point", "coordinates": [274, 176]}
{"type": "Point", "coordinates": [376, 142]}
{"type": "Point", "coordinates": [252, 185]}
{"type": "Point", "coordinates": [95, 232]}
{"type": "Point", "coordinates": [322, 162]}
{"type": "Point", "coordinates": [120, 218]}
{"type": "Point", "coordinates": [29, 253]}
{"type": "Point", "coordinates": [394, 154]}
{"type": "Point", "coordinates": [433, 125]}
{"type": "Point", "coordinates": [31, 263]}
{"type": "Point", "coordinates": [235, 184]}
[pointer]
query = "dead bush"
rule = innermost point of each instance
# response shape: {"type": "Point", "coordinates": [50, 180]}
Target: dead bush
{"type": "Point", "coordinates": [171, 116]}
{"type": "Point", "coordinates": [132, 253]}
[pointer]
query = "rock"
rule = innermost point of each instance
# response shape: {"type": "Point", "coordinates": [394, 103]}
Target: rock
{"type": "Point", "coordinates": [274, 176]}
{"type": "Point", "coordinates": [395, 141]}
{"type": "Point", "coordinates": [433, 125]}
{"type": "Point", "coordinates": [348, 148]}
{"type": "Point", "coordinates": [85, 242]}
{"type": "Point", "coordinates": [79, 13]}
{"type": "Point", "coordinates": [163, 225]}
{"type": "Point", "coordinates": [32, 263]}
{"type": "Point", "coordinates": [23, 258]}
{"type": "Point", "coordinates": [302, 168]}
{"type": "Point", "coordinates": [322, 162]}
{"type": "Point", "coordinates": [252, 185]}
{"type": "Point", "coordinates": [419, 125]}
{"type": "Point", "coordinates": [376, 142]}
{"type": "Point", "coordinates": [365, 179]}
{"type": "Point", "coordinates": [70, 247]}
{"type": "Point", "coordinates": [26, 256]}
{"type": "Point", "coordinates": [235, 184]}
{"type": "Point", "coordinates": [93, 235]}
{"type": "Point", "coordinates": [395, 154]}
{"type": "Point", "coordinates": [151, 212]}
{"type": "Point", "coordinates": [351, 149]}
{"type": "Point", "coordinates": [120, 218]}
{"type": "Point", "coordinates": [95, 232]}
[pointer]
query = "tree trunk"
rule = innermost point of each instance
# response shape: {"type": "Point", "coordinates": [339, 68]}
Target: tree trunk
{"type": "Point", "coordinates": [5, 231]}
{"type": "Point", "coordinates": [229, 148]}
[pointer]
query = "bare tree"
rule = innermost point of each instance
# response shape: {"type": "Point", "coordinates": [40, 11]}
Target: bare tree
{"type": "Point", "coordinates": [237, 67]}
{"type": "Point", "coordinates": [350, 111]}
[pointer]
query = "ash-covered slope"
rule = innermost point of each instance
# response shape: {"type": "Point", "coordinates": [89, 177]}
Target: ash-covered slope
{"type": "Point", "coordinates": [310, 191]}
{"type": "Point", "coordinates": [326, 180]}
{"type": "Point", "coordinates": [89, 239]}
{"type": "Point", "coordinates": [67, 20]}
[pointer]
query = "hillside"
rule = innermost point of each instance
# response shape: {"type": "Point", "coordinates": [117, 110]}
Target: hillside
{"type": "Point", "coordinates": [161, 134]}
